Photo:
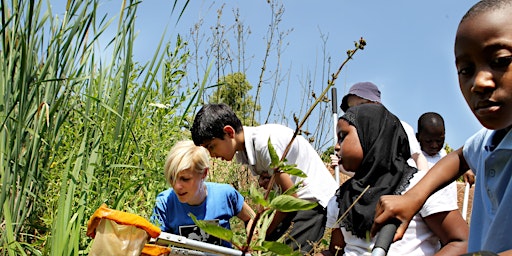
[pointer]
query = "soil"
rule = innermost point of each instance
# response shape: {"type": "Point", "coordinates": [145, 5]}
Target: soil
{"type": "Point", "coordinates": [460, 198]}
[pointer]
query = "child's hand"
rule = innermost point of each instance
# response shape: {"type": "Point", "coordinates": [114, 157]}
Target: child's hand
{"type": "Point", "coordinates": [264, 180]}
{"type": "Point", "coordinates": [394, 207]}
{"type": "Point", "coordinates": [334, 160]}
{"type": "Point", "coordinates": [469, 177]}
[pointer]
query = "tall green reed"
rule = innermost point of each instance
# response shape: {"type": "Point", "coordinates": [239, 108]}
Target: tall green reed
{"type": "Point", "coordinates": [78, 130]}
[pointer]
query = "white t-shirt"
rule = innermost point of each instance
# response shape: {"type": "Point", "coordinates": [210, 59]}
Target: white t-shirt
{"type": "Point", "coordinates": [414, 145]}
{"type": "Point", "coordinates": [431, 160]}
{"type": "Point", "coordinates": [435, 158]}
{"type": "Point", "coordinates": [418, 238]}
{"type": "Point", "coordinates": [319, 186]}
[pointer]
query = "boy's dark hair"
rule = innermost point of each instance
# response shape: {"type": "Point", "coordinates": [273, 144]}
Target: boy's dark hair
{"type": "Point", "coordinates": [430, 119]}
{"type": "Point", "coordinates": [210, 121]}
{"type": "Point", "coordinates": [485, 6]}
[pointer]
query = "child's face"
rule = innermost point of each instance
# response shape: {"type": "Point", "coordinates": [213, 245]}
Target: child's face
{"type": "Point", "coordinates": [349, 147]}
{"type": "Point", "coordinates": [431, 139]}
{"type": "Point", "coordinates": [483, 56]}
{"type": "Point", "coordinates": [221, 148]}
{"type": "Point", "coordinates": [188, 187]}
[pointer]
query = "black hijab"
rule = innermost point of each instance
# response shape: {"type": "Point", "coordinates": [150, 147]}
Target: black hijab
{"type": "Point", "coordinates": [384, 166]}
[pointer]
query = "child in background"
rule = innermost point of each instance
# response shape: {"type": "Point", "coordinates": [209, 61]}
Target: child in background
{"type": "Point", "coordinates": [186, 169]}
{"type": "Point", "coordinates": [217, 128]}
{"type": "Point", "coordinates": [373, 145]}
{"type": "Point", "coordinates": [367, 92]}
{"type": "Point", "coordinates": [483, 57]}
{"type": "Point", "coordinates": [431, 134]}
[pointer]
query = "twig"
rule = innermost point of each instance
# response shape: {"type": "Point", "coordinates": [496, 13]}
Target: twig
{"type": "Point", "coordinates": [358, 46]}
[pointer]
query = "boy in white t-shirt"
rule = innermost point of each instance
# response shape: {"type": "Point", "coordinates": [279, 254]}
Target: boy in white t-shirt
{"type": "Point", "coordinates": [218, 129]}
{"type": "Point", "coordinates": [431, 135]}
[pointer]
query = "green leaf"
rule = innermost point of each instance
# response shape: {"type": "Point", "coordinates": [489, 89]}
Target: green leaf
{"type": "Point", "coordinates": [293, 189]}
{"type": "Point", "coordinates": [266, 218]}
{"type": "Point", "coordinates": [276, 247]}
{"type": "Point", "coordinates": [292, 170]}
{"type": "Point", "coordinates": [257, 196]}
{"type": "Point", "coordinates": [259, 248]}
{"type": "Point", "coordinates": [287, 203]}
{"type": "Point", "coordinates": [213, 229]}
{"type": "Point", "coordinates": [274, 158]}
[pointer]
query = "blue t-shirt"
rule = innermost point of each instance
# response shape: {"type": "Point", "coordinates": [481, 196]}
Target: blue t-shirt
{"type": "Point", "coordinates": [491, 216]}
{"type": "Point", "coordinates": [222, 203]}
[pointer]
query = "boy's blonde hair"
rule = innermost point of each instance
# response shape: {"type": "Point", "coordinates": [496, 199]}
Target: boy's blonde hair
{"type": "Point", "coordinates": [185, 155]}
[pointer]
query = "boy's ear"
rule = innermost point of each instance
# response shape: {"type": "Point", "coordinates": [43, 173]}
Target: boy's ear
{"type": "Point", "coordinates": [230, 131]}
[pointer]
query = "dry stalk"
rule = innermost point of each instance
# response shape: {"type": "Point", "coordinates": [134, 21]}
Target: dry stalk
{"type": "Point", "coordinates": [358, 46]}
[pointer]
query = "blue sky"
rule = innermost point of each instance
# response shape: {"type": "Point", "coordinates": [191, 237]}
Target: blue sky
{"type": "Point", "coordinates": [409, 52]}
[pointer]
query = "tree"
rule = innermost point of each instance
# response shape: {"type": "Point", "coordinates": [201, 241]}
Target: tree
{"type": "Point", "coordinates": [233, 90]}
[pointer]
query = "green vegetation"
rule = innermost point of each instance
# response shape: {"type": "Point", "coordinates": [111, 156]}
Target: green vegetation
{"type": "Point", "coordinates": [79, 129]}
{"type": "Point", "coordinates": [234, 90]}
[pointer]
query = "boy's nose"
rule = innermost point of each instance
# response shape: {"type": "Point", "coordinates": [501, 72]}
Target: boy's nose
{"type": "Point", "coordinates": [483, 81]}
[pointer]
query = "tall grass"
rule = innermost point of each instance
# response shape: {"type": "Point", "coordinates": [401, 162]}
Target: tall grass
{"type": "Point", "coordinates": [78, 130]}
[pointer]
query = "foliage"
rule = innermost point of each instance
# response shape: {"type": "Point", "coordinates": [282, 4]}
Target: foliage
{"type": "Point", "coordinates": [269, 203]}
{"type": "Point", "coordinates": [234, 90]}
{"type": "Point", "coordinates": [326, 155]}
{"type": "Point", "coordinates": [283, 203]}
{"type": "Point", "coordinates": [78, 131]}
{"type": "Point", "coordinates": [448, 148]}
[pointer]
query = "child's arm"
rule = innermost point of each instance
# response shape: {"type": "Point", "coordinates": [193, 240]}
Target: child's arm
{"type": "Point", "coordinates": [404, 207]}
{"type": "Point", "coordinates": [452, 231]}
{"type": "Point", "coordinates": [247, 216]}
{"type": "Point", "coordinates": [505, 253]}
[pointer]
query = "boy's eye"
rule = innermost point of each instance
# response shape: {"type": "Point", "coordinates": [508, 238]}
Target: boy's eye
{"type": "Point", "coordinates": [501, 62]}
{"type": "Point", "coordinates": [465, 70]}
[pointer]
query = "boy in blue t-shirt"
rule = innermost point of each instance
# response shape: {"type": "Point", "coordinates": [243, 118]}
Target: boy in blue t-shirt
{"type": "Point", "coordinates": [483, 56]}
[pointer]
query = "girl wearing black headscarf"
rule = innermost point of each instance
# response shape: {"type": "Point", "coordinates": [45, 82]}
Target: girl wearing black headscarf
{"type": "Point", "coordinates": [374, 145]}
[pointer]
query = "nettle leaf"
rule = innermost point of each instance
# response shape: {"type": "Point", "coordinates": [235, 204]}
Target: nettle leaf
{"type": "Point", "coordinates": [259, 248]}
{"type": "Point", "coordinates": [276, 247]}
{"type": "Point", "coordinates": [264, 222]}
{"type": "Point", "coordinates": [293, 189]}
{"type": "Point", "coordinates": [287, 203]}
{"type": "Point", "coordinates": [274, 158]}
{"type": "Point", "coordinates": [257, 196]}
{"type": "Point", "coordinates": [292, 170]}
{"type": "Point", "coordinates": [213, 229]}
